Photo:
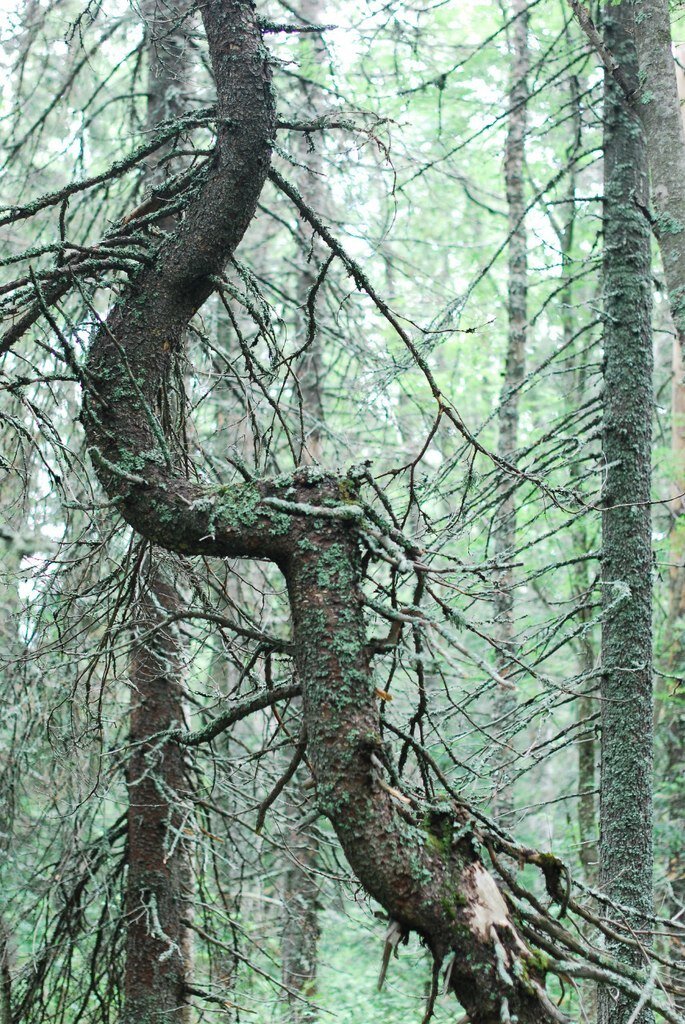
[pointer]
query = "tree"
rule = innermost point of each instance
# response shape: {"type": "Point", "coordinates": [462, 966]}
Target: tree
{"type": "Point", "coordinates": [626, 851]}
{"type": "Point", "coordinates": [340, 540]}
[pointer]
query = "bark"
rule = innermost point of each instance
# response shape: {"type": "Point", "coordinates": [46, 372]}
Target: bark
{"type": "Point", "coordinates": [158, 891]}
{"type": "Point", "coordinates": [300, 924]}
{"type": "Point", "coordinates": [310, 369]}
{"type": "Point", "coordinates": [659, 110]}
{"type": "Point", "coordinates": [674, 646]}
{"type": "Point", "coordinates": [569, 302]}
{"type": "Point", "coordinates": [300, 935]}
{"type": "Point", "coordinates": [158, 942]}
{"type": "Point", "coordinates": [426, 880]}
{"type": "Point", "coordinates": [517, 311]}
{"type": "Point", "coordinates": [626, 854]}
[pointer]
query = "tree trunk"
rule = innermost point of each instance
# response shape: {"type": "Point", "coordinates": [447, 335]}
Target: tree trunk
{"type": "Point", "coordinates": [310, 369]}
{"type": "Point", "coordinates": [658, 107]}
{"type": "Point", "coordinates": [428, 875]}
{"type": "Point", "coordinates": [626, 686]}
{"type": "Point", "coordinates": [158, 942]}
{"type": "Point", "coordinates": [300, 935]}
{"type": "Point", "coordinates": [517, 312]}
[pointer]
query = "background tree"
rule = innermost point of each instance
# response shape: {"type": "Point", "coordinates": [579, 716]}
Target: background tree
{"type": "Point", "coordinates": [626, 848]}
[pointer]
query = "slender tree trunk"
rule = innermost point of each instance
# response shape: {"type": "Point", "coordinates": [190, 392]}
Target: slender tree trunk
{"type": "Point", "coordinates": [517, 311]}
{"type": "Point", "coordinates": [312, 52]}
{"type": "Point", "coordinates": [658, 107]}
{"type": "Point", "coordinates": [158, 946]}
{"type": "Point", "coordinates": [674, 641]}
{"type": "Point", "coordinates": [300, 920]}
{"type": "Point", "coordinates": [626, 846]}
{"type": "Point", "coordinates": [168, 68]}
{"type": "Point", "coordinates": [300, 934]}
{"type": "Point", "coordinates": [158, 941]}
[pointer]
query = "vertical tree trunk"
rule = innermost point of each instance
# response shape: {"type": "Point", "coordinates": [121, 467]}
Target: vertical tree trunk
{"type": "Point", "coordinates": [158, 942]}
{"type": "Point", "coordinates": [674, 641]}
{"type": "Point", "coordinates": [300, 935]}
{"type": "Point", "coordinates": [300, 922]}
{"type": "Point", "coordinates": [626, 685]}
{"type": "Point", "coordinates": [312, 52]}
{"type": "Point", "coordinates": [158, 947]}
{"type": "Point", "coordinates": [167, 71]}
{"type": "Point", "coordinates": [657, 106]}
{"type": "Point", "coordinates": [517, 311]}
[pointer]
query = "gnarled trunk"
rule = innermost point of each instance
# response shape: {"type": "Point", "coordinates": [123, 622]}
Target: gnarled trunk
{"type": "Point", "coordinates": [307, 525]}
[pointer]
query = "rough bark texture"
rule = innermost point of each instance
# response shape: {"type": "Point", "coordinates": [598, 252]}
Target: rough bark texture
{"type": "Point", "coordinates": [300, 937]}
{"type": "Point", "coordinates": [517, 310]}
{"type": "Point", "coordinates": [657, 105]}
{"type": "Point", "coordinates": [674, 638]}
{"type": "Point", "coordinates": [158, 943]}
{"type": "Point", "coordinates": [424, 881]}
{"type": "Point", "coordinates": [626, 686]}
{"type": "Point", "coordinates": [306, 524]}
{"type": "Point", "coordinates": [132, 354]}
{"type": "Point", "coordinates": [310, 177]}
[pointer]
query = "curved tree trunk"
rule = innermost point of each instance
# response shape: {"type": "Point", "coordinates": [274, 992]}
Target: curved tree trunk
{"type": "Point", "coordinates": [427, 881]}
{"type": "Point", "coordinates": [626, 855]}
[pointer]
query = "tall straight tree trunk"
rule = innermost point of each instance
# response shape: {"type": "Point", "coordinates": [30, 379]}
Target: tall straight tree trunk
{"type": "Point", "coordinates": [158, 946]}
{"type": "Point", "coordinates": [310, 177]}
{"type": "Point", "coordinates": [658, 107]}
{"type": "Point", "coordinates": [158, 940]}
{"type": "Point", "coordinates": [517, 312]}
{"type": "Point", "coordinates": [674, 640]}
{"type": "Point", "coordinates": [626, 846]}
{"type": "Point", "coordinates": [300, 934]}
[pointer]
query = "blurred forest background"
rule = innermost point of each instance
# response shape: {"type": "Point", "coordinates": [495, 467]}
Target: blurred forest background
{"type": "Point", "coordinates": [418, 303]}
